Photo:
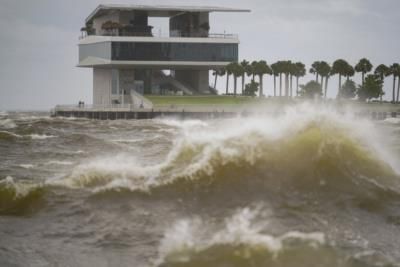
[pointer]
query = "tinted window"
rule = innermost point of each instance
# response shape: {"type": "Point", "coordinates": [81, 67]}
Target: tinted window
{"type": "Point", "coordinates": [174, 51]}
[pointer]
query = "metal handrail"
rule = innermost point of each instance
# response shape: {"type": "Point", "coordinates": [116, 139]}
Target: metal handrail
{"type": "Point", "coordinates": [112, 107]}
{"type": "Point", "coordinates": [210, 35]}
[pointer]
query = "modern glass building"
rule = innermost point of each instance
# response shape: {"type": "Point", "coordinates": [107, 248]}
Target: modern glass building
{"type": "Point", "coordinates": [127, 59]}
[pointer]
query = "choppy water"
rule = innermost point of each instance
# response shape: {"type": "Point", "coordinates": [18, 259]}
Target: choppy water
{"type": "Point", "coordinates": [309, 188]}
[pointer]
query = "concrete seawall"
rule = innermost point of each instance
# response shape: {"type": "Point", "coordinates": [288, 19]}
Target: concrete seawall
{"type": "Point", "coordinates": [370, 111]}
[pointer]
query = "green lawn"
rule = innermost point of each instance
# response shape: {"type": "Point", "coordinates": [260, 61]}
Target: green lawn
{"type": "Point", "coordinates": [200, 100]}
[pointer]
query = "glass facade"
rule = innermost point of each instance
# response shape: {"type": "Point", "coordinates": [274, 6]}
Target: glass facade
{"type": "Point", "coordinates": [202, 52]}
{"type": "Point", "coordinates": [100, 50]}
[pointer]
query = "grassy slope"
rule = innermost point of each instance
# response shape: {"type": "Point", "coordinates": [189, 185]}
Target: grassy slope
{"type": "Point", "coordinates": [200, 100]}
{"type": "Point", "coordinates": [242, 100]}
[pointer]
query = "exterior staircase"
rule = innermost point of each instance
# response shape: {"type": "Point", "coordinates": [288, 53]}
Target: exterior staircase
{"type": "Point", "coordinates": [139, 101]}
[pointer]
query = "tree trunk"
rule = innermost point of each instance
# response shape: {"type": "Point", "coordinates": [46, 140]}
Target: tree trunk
{"type": "Point", "coordinates": [280, 84]}
{"type": "Point", "coordinates": [326, 86]}
{"type": "Point", "coordinates": [398, 89]}
{"type": "Point", "coordinates": [394, 88]}
{"type": "Point", "coordinates": [274, 86]}
{"type": "Point", "coordinates": [286, 85]}
{"type": "Point", "coordinates": [340, 85]}
{"type": "Point", "coordinates": [261, 86]}
{"type": "Point", "coordinates": [291, 85]}
{"type": "Point", "coordinates": [215, 81]}
{"type": "Point", "coordinates": [243, 84]}
{"type": "Point", "coordinates": [234, 85]}
{"type": "Point", "coordinates": [362, 78]}
{"type": "Point", "coordinates": [297, 86]}
{"type": "Point", "coordinates": [227, 83]}
{"type": "Point", "coordinates": [316, 77]}
{"type": "Point", "coordinates": [380, 99]}
{"type": "Point", "coordinates": [322, 83]}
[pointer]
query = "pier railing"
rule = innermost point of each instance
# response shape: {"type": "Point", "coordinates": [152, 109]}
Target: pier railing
{"type": "Point", "coordinates": [95, 108]}
{"type": "Point", "coordinates": [145, 107]}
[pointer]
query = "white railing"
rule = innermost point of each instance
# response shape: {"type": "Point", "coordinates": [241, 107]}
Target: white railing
{"type": "Point", "coordinates": [113, 107]}
{"type": "Point", "coordinates": [155, 108]}
{"type": "Point", "coordinates": [168, 35]}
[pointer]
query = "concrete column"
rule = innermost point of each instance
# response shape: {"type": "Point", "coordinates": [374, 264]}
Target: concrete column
{"type": "Point", "coordinates": [102, 82]}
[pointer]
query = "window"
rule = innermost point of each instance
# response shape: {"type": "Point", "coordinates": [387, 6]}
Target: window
{"type": "Point", "coordinates": [202, 52]}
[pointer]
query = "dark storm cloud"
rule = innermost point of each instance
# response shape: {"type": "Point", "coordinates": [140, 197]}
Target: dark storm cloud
{"type": "Point", "coordinates": [39, 40]}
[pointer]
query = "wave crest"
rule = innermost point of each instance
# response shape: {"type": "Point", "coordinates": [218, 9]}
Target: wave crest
{"type": "Point", "coordinates": [19, 198]}
{"type": "Point", "coordinates": [306, 152]}
{"type": "Point", "coordinates": [240, 242]}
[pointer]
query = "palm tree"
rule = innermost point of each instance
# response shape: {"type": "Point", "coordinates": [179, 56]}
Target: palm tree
{"type": "Point", "coordinates": [279, 66]}
{"type": "Point", "coordinates": [245, 66]}
{"type": "Point", "coordinates": [260, 69]}
{"type": "Point", "coordinates": [395, 71]}
{"type": "Point", "coordinates": [349, 72]}
{"type": "Point", "coordinates": [340, 67]}
{"type": "Point", "coordinates": [292, 73]}
{"type": "Point", "coordinates": [315, 69]}
{"type": "Point", "coordinates": [286, 66]}
{"type": "Point", "coordinates": [253, 67]}
{"type": "Point", "coordinates": [364, 66]}
{"type": "Point", "coordinates": [382, 71]}
{"type": "Point", "coordinates": [275, 73]}
{"type": "Point", "coordinates": [229, 69]}
{"type": "Point", "coordinates": [398, 83]}
{"type": "Point", "coordinates": [237, 71]}
{"type": "Point", "coordinates": [324, 71]}
{"type": "Point", "coordinates": [216, 73]}
{"type": "Point", "coordinates": [300, 72]}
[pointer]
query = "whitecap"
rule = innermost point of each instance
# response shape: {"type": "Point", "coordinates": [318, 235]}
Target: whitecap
{"type": "Point", "coordinates": [40, 136]}
{"type": "Point", "coordinates": [196, 235]}
{"type": "Point", "coordinates": [127, 140]}
{"type": "Point", "coordinates": [59, 162]}
{"type": "Point", "coordinates": [11, 134]}
{"type": "Point", "coordinates": [27, 166]}
{"type": "Point", "coordinates": [183, 123]}
{"type": "Point", "coordinates": [20, 189]}
{"type": "Point", "coordinates": [7, 124]}
{"type": "Point", "coordinates": [392, 120]}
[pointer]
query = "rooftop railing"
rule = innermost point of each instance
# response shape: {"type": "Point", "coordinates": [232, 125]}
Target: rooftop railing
{"type": "Point", "coordinates": [165, 35]}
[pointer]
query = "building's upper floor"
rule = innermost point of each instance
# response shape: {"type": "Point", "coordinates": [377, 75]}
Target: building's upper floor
{"type": "Point", "coordinates": [133, 21]}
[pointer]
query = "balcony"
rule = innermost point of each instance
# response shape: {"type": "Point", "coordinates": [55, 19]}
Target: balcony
{"type": "Point", "coordinates": [147, 31]}
{"type": "Point", "coordinates": [159, 53]}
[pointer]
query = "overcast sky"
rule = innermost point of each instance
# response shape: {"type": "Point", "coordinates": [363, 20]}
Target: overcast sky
{"type": "Point", "coordinates": [39, 52]}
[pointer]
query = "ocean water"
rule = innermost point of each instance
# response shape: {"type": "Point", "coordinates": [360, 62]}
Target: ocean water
{"type": "Point", "coordinates": [311, 187]}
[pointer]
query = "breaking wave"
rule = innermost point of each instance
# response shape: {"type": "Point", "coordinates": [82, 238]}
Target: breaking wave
{"type": "Point", "coordinates": [6, 135]}
{"type": "Point", "coordinates": [7, 124]}
{"type": "Point", "coordinates": [244, 241]}
{"type": "Point", "coordinates": [306, 149]}
{"type": "Point", "coordinates": [18, 198]}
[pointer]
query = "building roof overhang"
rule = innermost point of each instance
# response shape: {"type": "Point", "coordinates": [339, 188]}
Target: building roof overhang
{"type": "Point", "coordinates": [159, 10]}
{"type": "Point", "coordinates": [94, 62]}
